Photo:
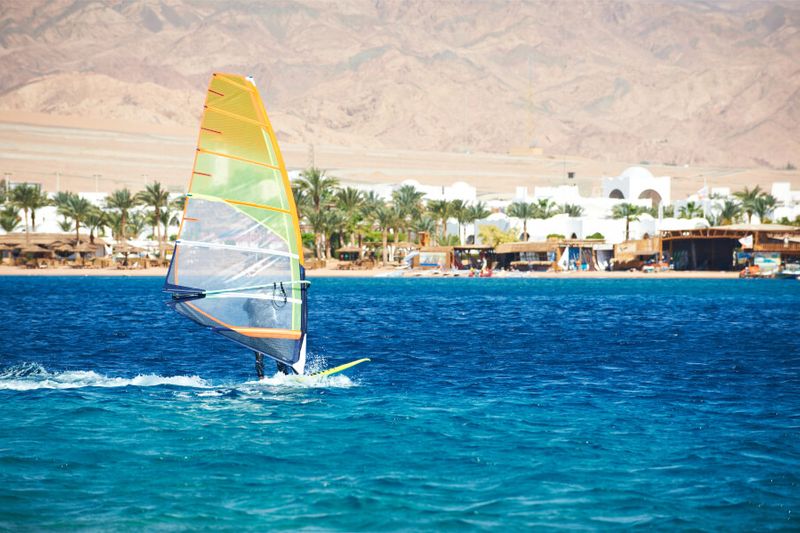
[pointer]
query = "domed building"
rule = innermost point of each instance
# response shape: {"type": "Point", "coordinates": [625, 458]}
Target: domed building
{"type": "Point", "coordinates": [638, 183]}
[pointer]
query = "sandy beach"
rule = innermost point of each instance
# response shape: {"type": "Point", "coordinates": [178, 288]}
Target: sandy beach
{"type": "Point", "coordinates": [6, 270]}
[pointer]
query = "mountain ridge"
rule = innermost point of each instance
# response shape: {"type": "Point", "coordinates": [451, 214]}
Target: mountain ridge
{"type": "Point", "coordinates": [678, 82]}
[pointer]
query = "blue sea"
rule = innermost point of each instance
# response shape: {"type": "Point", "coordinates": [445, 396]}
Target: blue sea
{"type": "Point", "coordinates": [489, 404]}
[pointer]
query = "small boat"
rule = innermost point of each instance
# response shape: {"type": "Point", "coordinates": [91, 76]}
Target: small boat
{"type": "Point", "coordinates": [789, 271]}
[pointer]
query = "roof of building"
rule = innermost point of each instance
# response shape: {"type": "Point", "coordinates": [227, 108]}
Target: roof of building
{"type": "Point", "coordinates": [636, 173]}
{"type": "Point", "coordinates": [473, 247]}
{"type": "Point", "coordinates": [46, 238]}
{"type": "Point", "coordinates": [348, 249]}
{"type": "Point", "coordinates": [759, 227]}
{"type": "Point", "coordinates": [519, 247]}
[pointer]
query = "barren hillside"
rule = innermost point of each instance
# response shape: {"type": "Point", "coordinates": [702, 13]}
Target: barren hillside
{"type": "Point", "coordinates": [667, 82]}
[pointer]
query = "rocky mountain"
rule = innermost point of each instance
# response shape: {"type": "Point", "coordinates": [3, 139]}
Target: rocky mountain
{"type": "Point", "coordinates": [699, 82]}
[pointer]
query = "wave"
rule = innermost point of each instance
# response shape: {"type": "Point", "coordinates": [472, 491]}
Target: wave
{"type": "Point", "coordinates": [32, 376]}
{"type": "Point", "coordinates": [303, 382]}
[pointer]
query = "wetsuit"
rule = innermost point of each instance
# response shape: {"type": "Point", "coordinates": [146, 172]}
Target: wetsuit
{"type": "Point", "coordinates": [260, 365]}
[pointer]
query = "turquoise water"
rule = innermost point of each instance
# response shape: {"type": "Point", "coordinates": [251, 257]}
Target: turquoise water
{"type": "Point", "coordinates": [489, 404]}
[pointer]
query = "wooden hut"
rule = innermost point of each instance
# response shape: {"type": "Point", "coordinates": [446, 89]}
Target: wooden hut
{"type": "Point", "coordinates": [433, 257]}
{"type": "Point", "coordinates": [462, 257]}
{"type": "Point", "coordinates": [526, 256]}
{"type": "Point", "coordinates": [731, 247]}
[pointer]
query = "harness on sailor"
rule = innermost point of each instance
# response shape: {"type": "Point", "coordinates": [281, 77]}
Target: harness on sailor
{"type": "Point", "coordinates": [278, 292]}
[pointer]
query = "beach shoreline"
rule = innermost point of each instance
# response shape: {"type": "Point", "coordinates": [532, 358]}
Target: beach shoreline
{"type": "Point", "coordinates": [161, 272]}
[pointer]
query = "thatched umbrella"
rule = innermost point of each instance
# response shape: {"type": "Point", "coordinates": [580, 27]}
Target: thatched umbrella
{"type": "Point", "coordinates": [63, 248]}
{"type": "Point", "coordinates": [34, 249]}
{"type": "Point", "coordinates": [125, 248]}
{"type": "Point", "coordinates": [86, 248]}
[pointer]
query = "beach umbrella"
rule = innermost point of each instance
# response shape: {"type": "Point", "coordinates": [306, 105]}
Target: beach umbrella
{"type": "Point", "coordinates": [33, 249]}
{"type": "Point", "coordinates": [125, 248]}
{"type": "Point", "coordinates": [86, 248]}
{"type": "Point", "coordinates": [63, 248]}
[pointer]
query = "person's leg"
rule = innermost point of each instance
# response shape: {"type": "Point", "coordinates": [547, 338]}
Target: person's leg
{"type": "Point", "coordinates": [282, 367]}
{"type": "Point", "coordinates": [260, 365]}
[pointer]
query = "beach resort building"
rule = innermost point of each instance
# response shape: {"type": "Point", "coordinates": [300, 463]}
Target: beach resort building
{"type": "Point", "coordinates": [638, 183]}
{"type": "Point", "coordinates": [731, 247]}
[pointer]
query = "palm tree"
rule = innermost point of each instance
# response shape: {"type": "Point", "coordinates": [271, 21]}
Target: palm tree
{"type": "Point", "coordinates": [690, 210]}
{"type": "Point", "coordinates": [545, 208]}
{"type": "Point", "coordinates": [333, 219]}
{"type": "Point", "coordinates": [440, 211]}
{"type": "Point", "coordinates": [408, 201]}
{"type": "Point", "coordinates": [158, 198]}
{"type": "Point", "coordinates": [316, 191]}
{"type": "Point", "coordinates": [114, 221]}
{"type": "Point", "coordinates": [301, 200]}
{"type": "Point", "coordinates": [475, 213]}
{"type": "Point", "coordinates": [460, 211]}
{"type": "Point", "coordinates": [65, 225]}
{"type": "Point", "coordinates": [628, 212]}
{"type": "Point", "coordinates": [78, 209]}
{"type": "Point", "coordinates": [38, 201]}
{"type": "Point", "coordinates": [96, 221]}
{"type": "Point", "coordinates": [524, 211]}
{"type": "Point", "coordinates": [571, 210]}
{"type": "Point", "coordinates": [136, 224]}
{"type": "Point", "coordinates": [123, 200]}
{"type": "Point", "coordinates": [179, 203]}
{"type": "Point", "coordinates": [25, 196]}
{"type": "Point", "coordinates": [424, 223]}
{"type": "Point", "coordinates": [371, 205]}
{"type": "Point", "coordinates": [763, 206]}
{"type": "Point", "coordinates": [397, 218]}
{"type": "Point", "coordinates": [317, 186]}
{"type": "Point", "coordinates": [350, 202]}
{"type": "Point", "coordinates": [9, 218]}
{"type": "Point", "coordinates": [371, 202]}
{"type": "Point", "coordinates": [385, 218]}
{"type": "Point", "coordinates": [748, 198]}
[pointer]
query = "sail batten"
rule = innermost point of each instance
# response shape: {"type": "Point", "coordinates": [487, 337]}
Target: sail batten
{"type": "Point", "coordinates": [237, 267]}
{"type": "Point", "coordinates": [239, 248]}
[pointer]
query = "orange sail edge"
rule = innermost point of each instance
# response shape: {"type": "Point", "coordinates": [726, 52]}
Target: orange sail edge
{"type": "Point", "coordinates": [269, 333]}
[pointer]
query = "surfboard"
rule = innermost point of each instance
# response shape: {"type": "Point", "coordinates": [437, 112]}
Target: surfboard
{"type": "Point", "coordinates": [336, 369]}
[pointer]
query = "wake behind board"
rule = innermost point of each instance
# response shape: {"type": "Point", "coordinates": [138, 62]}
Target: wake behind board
{"type": "Point", "coordinates": [335, 370]}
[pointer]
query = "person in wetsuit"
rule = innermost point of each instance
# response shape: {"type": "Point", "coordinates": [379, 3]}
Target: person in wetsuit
{"type": "Point", "coordinates": [283, 368]}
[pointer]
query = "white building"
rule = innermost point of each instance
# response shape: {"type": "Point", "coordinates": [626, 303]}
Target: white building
{"type": "Point", "coordinates": [637, 183]}
{"type": "Point", "coordinates": [783, 193]}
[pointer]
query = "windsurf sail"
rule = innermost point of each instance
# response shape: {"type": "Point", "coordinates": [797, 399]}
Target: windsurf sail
{"type": "Point", "coordinates": [237, 267]}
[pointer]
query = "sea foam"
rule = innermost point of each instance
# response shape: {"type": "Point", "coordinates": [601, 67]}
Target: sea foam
{"type": "Point", "coordinates": [32, 376]}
